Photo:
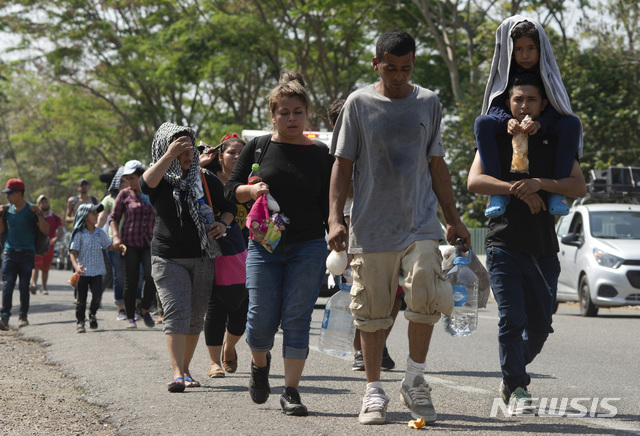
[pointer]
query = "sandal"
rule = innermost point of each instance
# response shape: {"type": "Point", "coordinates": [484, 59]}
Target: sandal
{"type": "Point", "coordinates": [216, 373]}
{"type": "Point", "coordinates": [190, 383]}
{"type": "Point", "coordinates": [229, 365]}
{"type": "Point", "coordinates": [176, 385]}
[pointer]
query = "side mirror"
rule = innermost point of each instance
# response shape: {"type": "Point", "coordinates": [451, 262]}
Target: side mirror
{"type": "Point", "coordinates": [572, 240]}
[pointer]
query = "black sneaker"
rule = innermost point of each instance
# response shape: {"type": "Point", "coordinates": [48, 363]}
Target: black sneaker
{"type": "Point", "coordinates": [148, 320]}
{"type": "Point", "coordinates": [93, 322]}
{"type": "Point", "coordinates": [22, 320]}
{"type": "Point", "coordinates": [387, 361]}
{"type": "Point", "coordinates": [4, 322]}
{"type": "Point", "coordinates": [358, 361]}
{"type": "Point", "coordinates": [291, 404]}
{"type": "Point", "coordinates": [259, 382]}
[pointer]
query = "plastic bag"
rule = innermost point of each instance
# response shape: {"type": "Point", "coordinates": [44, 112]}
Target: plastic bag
{"type": "Point", "coordinates": [520, 146]}
{"type": "Point", "coordinates": [263, 228]}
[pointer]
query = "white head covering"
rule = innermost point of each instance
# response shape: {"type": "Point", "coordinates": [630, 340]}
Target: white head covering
{"type": "Point", "coordinates": [549, 71]}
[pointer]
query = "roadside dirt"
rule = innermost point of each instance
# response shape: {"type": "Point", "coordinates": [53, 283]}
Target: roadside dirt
{"type": "Point", "coordinates": [37, 398]}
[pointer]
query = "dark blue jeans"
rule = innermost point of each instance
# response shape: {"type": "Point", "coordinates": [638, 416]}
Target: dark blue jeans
{"type": "Point", "coordinates": [524, 287]}
{"type": "Point", "coordinates": [283, 287]}
{"type": "Point", "coordinates": [16, 264]}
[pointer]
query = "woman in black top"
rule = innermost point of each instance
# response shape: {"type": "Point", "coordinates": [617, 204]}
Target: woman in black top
{"type": "Point", "coordinates": [182, 255]}
{"type": "Point", "coordinates": [283, 285]}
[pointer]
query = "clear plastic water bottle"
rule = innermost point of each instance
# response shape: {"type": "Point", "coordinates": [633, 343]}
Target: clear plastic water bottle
{"type": "Point", "coordinates": [206, 213]}
{"type": "Point", "coordinates": [338, 330]}
{"type": "Point", "coordinates": [464, 319]}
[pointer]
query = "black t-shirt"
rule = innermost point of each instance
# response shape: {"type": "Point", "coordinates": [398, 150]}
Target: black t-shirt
{"type": "Point", "coordinates": [518, 229]}
{"type": "Point", "coordinates": [298, 178]}
{"type": "Point", "coordinates": [170, 238]}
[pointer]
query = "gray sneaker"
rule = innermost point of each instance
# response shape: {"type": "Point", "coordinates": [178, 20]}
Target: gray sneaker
{"type": "Point", "coordinates": [374, 407]}
{"type": "Point", "coordinates": [520, 403]}
{"type": "Point", "coordinates": [80, 327]}
{"type": "Point", "coordinates": [418, 399]}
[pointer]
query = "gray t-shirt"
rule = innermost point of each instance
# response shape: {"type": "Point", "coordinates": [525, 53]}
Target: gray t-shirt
{"type": "Point", "coordinates": [390, 142]}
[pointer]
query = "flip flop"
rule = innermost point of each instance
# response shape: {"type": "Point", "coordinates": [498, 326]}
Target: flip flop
{"type": "Point", "coordinates": [176, 385]}
{"type": "Point", "coordinates": [190, 383]}
{"type": "Point", "coordinates": [229, 365]}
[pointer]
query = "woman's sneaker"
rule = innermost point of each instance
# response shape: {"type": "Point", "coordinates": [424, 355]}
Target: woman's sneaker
{"type": "Point", "coordinates": [122, 315]}
{"type": "Point", "coordinates": [291, 404]}
{"type": "Point", "coordinates": [132, 324]}
{"type": "Point", "coordinates": [148, 320]}
{"type": "Point", "coordinates": [259, 389]}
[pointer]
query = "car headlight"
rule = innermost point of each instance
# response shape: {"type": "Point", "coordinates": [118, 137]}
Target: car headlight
{"type": "Point", "coordinates": [606, 259]}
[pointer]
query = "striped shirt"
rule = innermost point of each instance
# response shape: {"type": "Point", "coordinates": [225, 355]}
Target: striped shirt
{"type": "Point", "coordinates": [139, 218]}
{"type": "Point", "coordinates": [89, 247]}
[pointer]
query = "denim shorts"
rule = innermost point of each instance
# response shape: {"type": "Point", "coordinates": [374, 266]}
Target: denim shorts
{"type": "Point", "coordinates": [283, 288]}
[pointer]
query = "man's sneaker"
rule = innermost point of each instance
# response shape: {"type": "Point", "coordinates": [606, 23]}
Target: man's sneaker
{"type": "Point", "coordinates": [418, 399]}
{"type": "Point", "coordinates": [80, 327]}
{"type": "Point", "coordinates": [32, 289]}
{"type": "Point", "coordinates": [358, 361]}
{"type": "Point", "coordinates": [374, 407]}
{"type": "Point", "coordinates": [4, 322]}
{"type": "Point", "coordinates": [505, 393]}
{"type": "Point", "coordinates": [132, 324]}
{"type": "Point", "coordinates": [387, 361]}
{"type": "Point", "coordinates": [93, 322]}
{"type": "Point", "coordinates": [148, 320]}
{"type": "Point", "coordinates": [122, 315]}
{"type": "Point", "coordinates": [22, 320]}
{"type": "Point", "coordinates": [44, 291]}
{"type": "Point", "coordinates": [136, 315]}
{"type": "Point", "coordinates": [291, 404]}
{"type": "Point", "coordinates": [520, 403]}
{"type": "Point", "coordinates": [259, 382]}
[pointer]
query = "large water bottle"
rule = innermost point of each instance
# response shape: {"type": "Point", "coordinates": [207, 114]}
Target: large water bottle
{"type": "Point", "coordinates": [464, 319]}
{"type": "Point", "coordinates": [338, 330]}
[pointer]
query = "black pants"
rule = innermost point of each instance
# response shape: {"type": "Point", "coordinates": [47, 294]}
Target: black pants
{"type": "Point", "coordinates": [95, 282]}
{"type": "Point", "coordinates": [132, 259]}
{"type": "Point", "coordinates": [230, 315]}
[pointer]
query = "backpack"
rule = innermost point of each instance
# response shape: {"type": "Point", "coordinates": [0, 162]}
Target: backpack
{"type": "Point", "coordinates": [76, 199]}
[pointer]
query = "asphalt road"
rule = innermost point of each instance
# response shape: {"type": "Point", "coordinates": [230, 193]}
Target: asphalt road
{"type": "Point", "coordinates": [591, 363]}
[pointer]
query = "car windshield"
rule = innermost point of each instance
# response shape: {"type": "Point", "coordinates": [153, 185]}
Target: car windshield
{"type": "Point", "coordinates": [615, 225]}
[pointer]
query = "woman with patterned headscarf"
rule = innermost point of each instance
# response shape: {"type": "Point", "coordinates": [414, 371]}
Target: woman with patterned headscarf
{"type": "Point", "coordinates": [182, 254]}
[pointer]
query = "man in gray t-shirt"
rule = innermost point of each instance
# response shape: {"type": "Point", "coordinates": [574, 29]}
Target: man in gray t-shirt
{"type": "Point", "coordinates": [388, 136]}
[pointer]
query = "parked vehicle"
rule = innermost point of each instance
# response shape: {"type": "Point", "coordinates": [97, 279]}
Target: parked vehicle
{"type": "Point", "coordinates": [600, 251]}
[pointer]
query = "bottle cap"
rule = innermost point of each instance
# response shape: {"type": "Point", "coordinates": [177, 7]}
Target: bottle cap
{"type": "Point", "coordinates": [255, 167]}
{"type": "Point", "coordinates": [460, 260]}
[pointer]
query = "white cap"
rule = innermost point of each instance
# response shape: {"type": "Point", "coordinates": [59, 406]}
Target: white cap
{"type": "Point", "coordinates": [131, 167]}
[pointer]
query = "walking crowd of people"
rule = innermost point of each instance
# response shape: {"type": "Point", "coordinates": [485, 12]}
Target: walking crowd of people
{"type": "Point", "coordinates": [232, 239]}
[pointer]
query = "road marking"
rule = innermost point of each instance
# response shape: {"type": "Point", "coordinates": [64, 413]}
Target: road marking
{"type": "Point", "coordinates": [458, 386]}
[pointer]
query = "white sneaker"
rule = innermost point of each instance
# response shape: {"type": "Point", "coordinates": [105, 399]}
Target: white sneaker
{"type": "Point", "coordinates": [374, 407]}
{"type": "Point", "coordinates": [418, 399]}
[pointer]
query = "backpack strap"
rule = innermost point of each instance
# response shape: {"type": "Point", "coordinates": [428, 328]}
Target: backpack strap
{"type": "Point", "coordinates": [262, 143]}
